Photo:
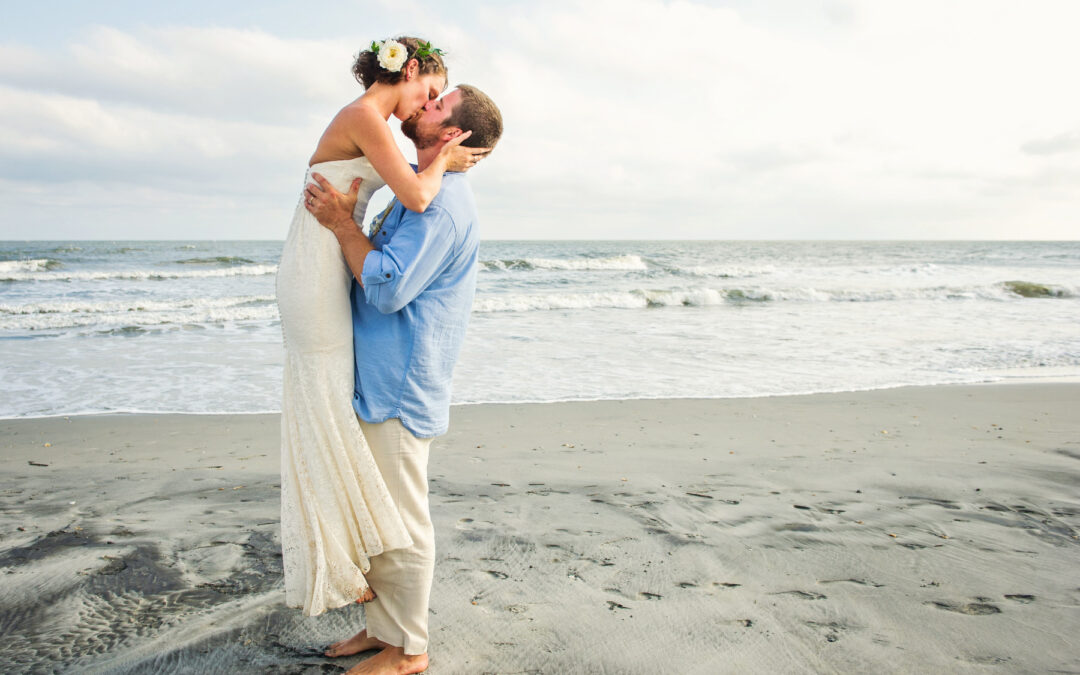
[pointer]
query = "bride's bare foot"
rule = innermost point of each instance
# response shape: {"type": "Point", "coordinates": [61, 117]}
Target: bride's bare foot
{"type": "Point", "coordinates": [354, 645]}
{"type": "Point", "coordinates": [367, 596]}
{"type": "Point", "coordinates": [391, 660]}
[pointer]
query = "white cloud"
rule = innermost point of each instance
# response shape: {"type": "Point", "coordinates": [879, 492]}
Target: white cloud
{"type": "Point", "coordinates": [697, 106]}
{"type": "Point", "coordinates": [216, 122]}
{"type": "Point", "coordinates": [58, 137]}
{"type": "Point", "coordinates": [236, 74]}
{"type": "Point", "coordinates": [1064, 142]}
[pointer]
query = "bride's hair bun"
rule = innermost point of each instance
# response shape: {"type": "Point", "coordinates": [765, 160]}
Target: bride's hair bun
{"type": "Point", "coordinates": [368, 71]}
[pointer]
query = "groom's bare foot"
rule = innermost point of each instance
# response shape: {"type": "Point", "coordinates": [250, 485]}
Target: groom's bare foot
{"type": "Point", "coordinates": [391, 661]}
{"type": "Point", "coordinates": [354, 645]}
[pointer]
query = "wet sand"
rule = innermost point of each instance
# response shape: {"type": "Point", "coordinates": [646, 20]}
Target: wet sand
{"type": "Point", "coordinates": [911, 530]}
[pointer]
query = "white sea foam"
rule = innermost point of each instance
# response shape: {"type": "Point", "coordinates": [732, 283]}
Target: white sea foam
{"type": "Point", "coordinates": [635, 299]}
{"type": "Point", "coordinates": [76, 314]}
{"type": "Point", "coordinates": [706, 297]}
{"type": "Point", "coordinates": [627, 262]}
{"type": "Point", "coordinates": [724, 271]}
{"type": "Point", "coordinates": [34, 275]}
{"type": "Point", "coordinates": [528, 303]}
{"type": "Point", "coordinates": [80, 307]}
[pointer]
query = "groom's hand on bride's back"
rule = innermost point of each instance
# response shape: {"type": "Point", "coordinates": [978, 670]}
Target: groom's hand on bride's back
{"type": "Point", "coordinates": [333, 209]}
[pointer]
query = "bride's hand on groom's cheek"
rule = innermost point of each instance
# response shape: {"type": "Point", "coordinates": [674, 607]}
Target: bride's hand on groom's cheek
{"type": "Point", "coordinates": [330, 207]}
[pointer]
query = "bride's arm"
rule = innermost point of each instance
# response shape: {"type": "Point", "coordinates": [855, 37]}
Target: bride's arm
{"type": "Point", "coordinates": [371, 133]}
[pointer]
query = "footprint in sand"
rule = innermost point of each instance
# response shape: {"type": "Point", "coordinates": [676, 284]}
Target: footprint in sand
{"type": "Point", "coordinates": [802, 595]}
{"type": "Point", "coordinates": [468, 524]}
{"type": "Point", "coordinates": [861, 582]}
{"type": "Point", "coordinates": [1018, 597]}
{"type": "Point", "coordinates": [831, 629]}
{"type": "Point", "coordinates": [746, 623]}
{"type": "Point", "coordinates": [922, 501]}
{"type": "Point", "coordinates": [989, 660]}
{"type": "Point", "coordinates": [971, 608]}
{"type": "Point", "coordinates": [796, 527]}
{"type": "Point", "coordinates": [915, 547]}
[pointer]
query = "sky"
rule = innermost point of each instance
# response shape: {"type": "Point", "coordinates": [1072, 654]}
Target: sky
{"type": "Point", "coordinates": [624, 119]}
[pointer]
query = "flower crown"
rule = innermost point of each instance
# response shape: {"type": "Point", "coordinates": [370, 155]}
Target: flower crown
{"type": "Point", "coordinates": [393, 55]}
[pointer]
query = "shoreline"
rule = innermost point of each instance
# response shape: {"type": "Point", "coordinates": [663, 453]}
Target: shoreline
{"type": "Point", "coordinates": [914, 529]}
{"type": "Point", "coordinates": [1003, 378]}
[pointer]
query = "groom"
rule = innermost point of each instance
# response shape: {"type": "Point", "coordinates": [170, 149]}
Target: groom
{"type": "Point", "coordinates": [411, 299]}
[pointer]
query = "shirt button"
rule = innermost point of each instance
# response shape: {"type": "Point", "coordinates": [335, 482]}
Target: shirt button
{"type": "Point", "coordinates": [387, 275]}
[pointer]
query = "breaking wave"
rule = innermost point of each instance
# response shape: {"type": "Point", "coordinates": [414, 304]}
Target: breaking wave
{"type": "Point", "coordinates": [216, 260]}
{"type": "Point", "coordinates": [705, 297]}
{"type": "Point", "coordinates": [1028, 289]}
{"type": "Point", "coordinates": [130, 314]}
{"type": "Point", "coordinates": [27, 266]}
{"type": "Point", "coordinates": [616, 263]}
{"type": "Point", "coordinates": [39, 273]}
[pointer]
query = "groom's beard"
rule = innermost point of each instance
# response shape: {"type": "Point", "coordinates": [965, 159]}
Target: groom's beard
{"type": "Point", "coordinates": [410, 128]}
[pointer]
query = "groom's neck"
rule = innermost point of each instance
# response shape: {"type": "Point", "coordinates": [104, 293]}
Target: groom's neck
{"type": "Point", "coordinates": [425, 157]}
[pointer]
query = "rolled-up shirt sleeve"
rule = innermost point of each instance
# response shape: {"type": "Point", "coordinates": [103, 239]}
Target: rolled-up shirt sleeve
{"type": "Point", "coordinates": [419, 249]}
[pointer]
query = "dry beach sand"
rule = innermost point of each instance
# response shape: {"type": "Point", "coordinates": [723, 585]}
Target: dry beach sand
{"type": "Point", "coordinates": [917, 530]}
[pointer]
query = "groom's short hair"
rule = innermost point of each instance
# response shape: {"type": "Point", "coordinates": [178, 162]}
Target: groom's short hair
{"type": "Point", "coordinates": [477, 113]}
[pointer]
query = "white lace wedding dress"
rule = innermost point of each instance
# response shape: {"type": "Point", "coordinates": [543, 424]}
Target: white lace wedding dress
{"type": "Point", "coordinates": [336, 512]}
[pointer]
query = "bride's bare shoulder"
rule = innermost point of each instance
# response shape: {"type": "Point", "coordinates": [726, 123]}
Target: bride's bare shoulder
{"type": "Point", "coordinates": [358, 111]}
{"type": "Point", "coordinates": [353, 128]}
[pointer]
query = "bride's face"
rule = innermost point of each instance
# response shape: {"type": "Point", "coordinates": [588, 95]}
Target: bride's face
{"type": "Point", "coordinates": [416, 92]}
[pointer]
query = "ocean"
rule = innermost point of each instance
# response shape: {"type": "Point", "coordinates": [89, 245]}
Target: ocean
{"type": "Point", "coordinates": [192, 326]}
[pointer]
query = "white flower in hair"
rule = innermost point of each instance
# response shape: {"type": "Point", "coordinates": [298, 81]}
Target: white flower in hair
{"type": "Point", "coordinates": [392, 55]}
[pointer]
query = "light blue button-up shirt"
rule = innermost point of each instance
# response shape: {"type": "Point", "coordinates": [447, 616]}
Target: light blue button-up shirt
{"type": "Point", "coordinates": [410, 315]}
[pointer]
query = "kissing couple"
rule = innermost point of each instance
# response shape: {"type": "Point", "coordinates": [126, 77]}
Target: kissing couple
{"type": "Point", "coordinates": [373, 325]}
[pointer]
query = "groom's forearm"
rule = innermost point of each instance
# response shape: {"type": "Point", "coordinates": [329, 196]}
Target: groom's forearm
{"type": "Point", "coordinates": [356, 246]}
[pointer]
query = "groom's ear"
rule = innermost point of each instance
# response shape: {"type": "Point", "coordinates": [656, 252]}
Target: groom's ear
{"type": "Point", "coordinates": [450, 133]}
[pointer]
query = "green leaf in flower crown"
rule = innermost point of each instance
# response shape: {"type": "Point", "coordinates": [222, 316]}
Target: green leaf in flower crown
{"type": "Point", "coordinates": [424, 50]}
{"type": "Point", "coordinates": [375, 46]}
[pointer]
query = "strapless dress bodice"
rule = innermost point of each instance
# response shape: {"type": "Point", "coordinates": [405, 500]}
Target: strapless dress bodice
{"type": "Point", "coordinates": [341, 172]}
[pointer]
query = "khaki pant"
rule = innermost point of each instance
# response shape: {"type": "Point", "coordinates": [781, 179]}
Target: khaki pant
{"type": "Point", "coordinates": [402, 578]}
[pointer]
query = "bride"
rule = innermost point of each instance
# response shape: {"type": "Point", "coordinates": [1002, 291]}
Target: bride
{"type": "Point", "coordinates": [336, 511]}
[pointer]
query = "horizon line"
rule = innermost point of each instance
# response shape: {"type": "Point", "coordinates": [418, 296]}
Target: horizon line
{"type": "Point", "coordinates": [633, 239]}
